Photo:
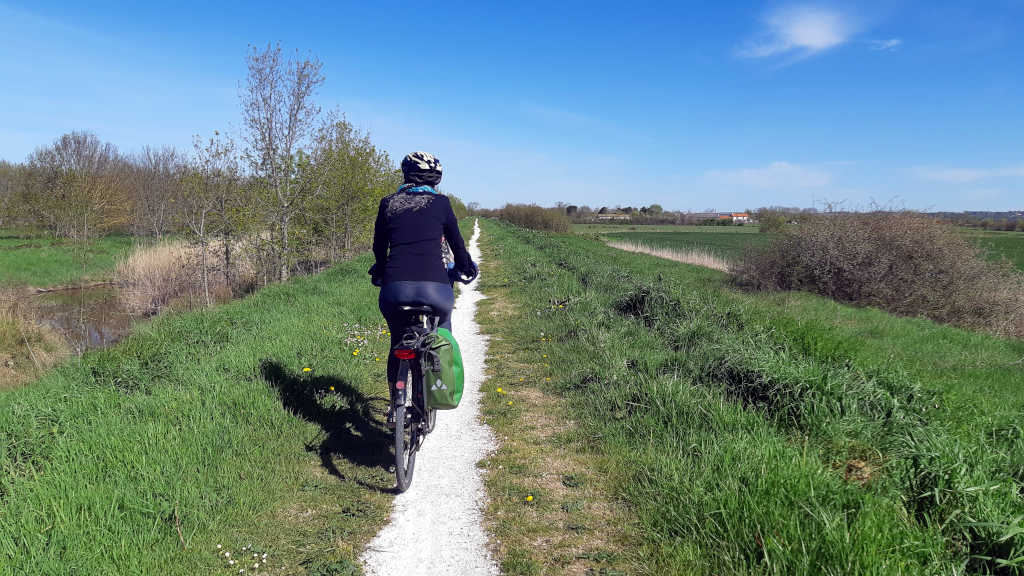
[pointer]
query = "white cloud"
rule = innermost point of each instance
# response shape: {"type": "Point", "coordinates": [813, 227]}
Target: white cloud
{"type": "Point", "coordinates": [775, 176]}
{"type": "Point", "coordinates": [800, 30]}
{"type": "Point", "coordinates": [889, 45]}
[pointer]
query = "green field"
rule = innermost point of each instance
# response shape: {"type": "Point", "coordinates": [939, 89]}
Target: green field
{"type": "Point", "coordinates": [729, 246]}
{"type": "Point", "coordinates": [781, 434]}
{"type": "Point", "coordinates": [730, 241]}
{"type": "Point", "coordinates": [43, 261]}
{"type": "Point", "coordinates": [1002, 244]}
{"type": "Point", "coordinates": [207, 423]}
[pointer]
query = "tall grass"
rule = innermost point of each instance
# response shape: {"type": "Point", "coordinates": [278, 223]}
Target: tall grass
{"type": "Point", "coordinates": [27, 347]}
{"type": "Point", "coordinates": [765, 433]}
{"type": "Point", "coordinates": [152, 277]}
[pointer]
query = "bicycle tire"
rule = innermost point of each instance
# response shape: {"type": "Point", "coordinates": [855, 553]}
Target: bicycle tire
{"type": "Point", "coordinates": [406, 446]}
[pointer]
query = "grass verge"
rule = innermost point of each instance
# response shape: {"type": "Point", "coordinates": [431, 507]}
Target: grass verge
{"type": "Point", "coordinates": [257, 423]}
{"type": "Point", "coordinates": [783, 434]}
{"type": "Point", "coordinates": [549, 512]}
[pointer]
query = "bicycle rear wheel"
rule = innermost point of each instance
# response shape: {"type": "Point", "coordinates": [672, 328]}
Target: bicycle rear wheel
{"type": "Point", "coordinates": [407, 440]}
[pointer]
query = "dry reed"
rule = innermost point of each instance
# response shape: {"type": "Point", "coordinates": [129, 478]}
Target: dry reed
{"type": "Point", "coordinates": [694, 256]}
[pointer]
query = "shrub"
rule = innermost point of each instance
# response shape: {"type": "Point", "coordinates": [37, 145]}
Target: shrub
{"type": "Point", "coordinates": [772, 220]}
{"type": "Point", "coordinates": [902, 262]}
{"type": "Point", "coordinates": [535, 217]}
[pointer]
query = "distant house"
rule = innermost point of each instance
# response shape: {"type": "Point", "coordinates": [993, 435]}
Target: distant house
{"type": "Point", "coordinates": [614, 215]}
{"type": "Point", "coordinates": [740, 217]}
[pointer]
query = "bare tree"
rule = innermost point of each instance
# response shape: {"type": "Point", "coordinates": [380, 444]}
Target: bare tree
{"type": "Point", "coordinates": [77, 186]}
{"type": "Point", "coordinates": [213, 176]}
{"type": "Point", "coordinates": [157, 182]}
{"type": "Point", "coordinates": [279, 114]}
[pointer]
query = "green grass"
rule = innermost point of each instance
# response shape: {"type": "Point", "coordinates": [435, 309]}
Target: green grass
{"type": "Point", "coordinates": [206, 423]}
{"type": "Point", "coordinates": [729, 246]}
{"type": "Point", "coordinates": [781, 434]}
{"type": "Point", "coordinates": [1009, 245]}
{"type": "Point", "coordinates": [43, 261]}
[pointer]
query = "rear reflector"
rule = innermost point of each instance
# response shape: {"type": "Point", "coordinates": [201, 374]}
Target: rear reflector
{"type": "Point", "coordinates": [403, 354]}
{"type": "Point", "coordinates": [400, 384]}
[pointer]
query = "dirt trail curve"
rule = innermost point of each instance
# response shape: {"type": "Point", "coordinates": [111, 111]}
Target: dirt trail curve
{"type": "Point", "coordinates": [436, 526]}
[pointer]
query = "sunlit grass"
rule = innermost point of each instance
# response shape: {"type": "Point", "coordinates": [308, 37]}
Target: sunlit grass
{"type": "Point", "coordinates": [780, 433]}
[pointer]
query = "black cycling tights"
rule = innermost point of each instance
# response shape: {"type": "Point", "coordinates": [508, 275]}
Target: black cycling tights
{"type": "Point", "coordinates": [438, 296]}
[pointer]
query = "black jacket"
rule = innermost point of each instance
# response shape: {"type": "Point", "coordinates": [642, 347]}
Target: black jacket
{"type": "Point", "coordinates": [407, 238]}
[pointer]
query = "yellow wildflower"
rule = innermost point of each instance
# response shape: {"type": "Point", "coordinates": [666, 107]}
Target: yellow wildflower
{"type": "Point", "coordinates": [307, 369]}
{"type": "Point", "coordinates": [529, 498]}
{"type": "Point", "coordinates": [332, 388]}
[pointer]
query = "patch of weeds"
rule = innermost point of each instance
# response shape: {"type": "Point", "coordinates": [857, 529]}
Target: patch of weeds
{"type": "Point", "coordinates": [572, 481]}
{"type": "Point", "coordinates": [519, 563]}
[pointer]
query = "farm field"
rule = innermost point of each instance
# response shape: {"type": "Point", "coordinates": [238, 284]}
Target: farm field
{"type": "Point", "coordinates": [747, 433]}
{"type": "Point", "coordinates": [1003, 244]}
{"type": "Point", "coordinates": [43, 261]}
{"type": "Point", "coordinates": [723, 244]}
{"type": "Point", "coordinates": [730, 241]}
{"type": "Point", "coordinates": [257, 422]}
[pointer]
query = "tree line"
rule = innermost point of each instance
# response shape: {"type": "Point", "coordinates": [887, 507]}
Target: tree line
{"type": "Point", "coordinates": [297, 187]}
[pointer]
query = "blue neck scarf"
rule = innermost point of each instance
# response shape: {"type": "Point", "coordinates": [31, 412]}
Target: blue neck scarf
{"type": "Point", "coordinates": [415, 188]}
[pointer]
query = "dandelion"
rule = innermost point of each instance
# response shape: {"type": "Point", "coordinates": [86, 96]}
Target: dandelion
{"type": "Point", "coordinates": [500, 390]}
{"type": "Point", "coordinates": [307, 369]}
{"type": "Point", "coordinates": [547, 379]}
{"type": "Point", "coordinates": [332, 390]}
{"type": "Point", "coordinates": [529, 498]}
{"type": "Point", "coordinates": [376, 359]}
{"type": "Point", "coordinates": [561, 305]}
{"type": "Point", "coordinates": [355, 352]}
{"type": "Point", "coordinates": [545, 356]}
{"type": "Point", "coordinates": [509, 402]}
{"type": "Point", "coordinates": [521, 379]}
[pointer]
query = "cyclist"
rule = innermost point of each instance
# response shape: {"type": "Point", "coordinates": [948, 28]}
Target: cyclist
{"type": "Point", "coordinates": [409, 267]}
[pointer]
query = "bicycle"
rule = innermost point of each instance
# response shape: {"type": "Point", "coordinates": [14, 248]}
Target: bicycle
{"type": "Point", "coordinates": [413, 418]}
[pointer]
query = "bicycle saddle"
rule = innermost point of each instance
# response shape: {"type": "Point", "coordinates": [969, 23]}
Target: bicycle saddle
{"type": "Point", "coordinates": [427, 310]}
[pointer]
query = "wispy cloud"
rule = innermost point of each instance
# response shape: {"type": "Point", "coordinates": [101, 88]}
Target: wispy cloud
{"type": "Point", "coordinates": [775, 176]}
{"type": "Point", "coordinates": [800, 31]}
{"type": "Point", "coordinates": [890, 45]}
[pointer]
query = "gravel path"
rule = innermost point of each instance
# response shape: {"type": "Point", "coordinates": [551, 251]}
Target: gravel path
{"type": "Point", "coordinates": [436, 526]}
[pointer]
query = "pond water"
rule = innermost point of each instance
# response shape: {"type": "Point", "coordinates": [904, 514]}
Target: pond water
{"type": "Point", "coordinates": [87, 317]}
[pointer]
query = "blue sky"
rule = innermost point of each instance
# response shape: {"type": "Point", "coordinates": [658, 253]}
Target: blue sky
{"type": "Point", "coordinates": [693, 106]}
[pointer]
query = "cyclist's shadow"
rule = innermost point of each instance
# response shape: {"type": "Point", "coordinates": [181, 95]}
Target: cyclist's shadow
{"type": "Point", "coordinates": [350, 429]}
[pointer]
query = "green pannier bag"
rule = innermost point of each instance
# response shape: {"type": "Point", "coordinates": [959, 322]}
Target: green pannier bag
{"type": "Point", "coordinates": [443, 373]}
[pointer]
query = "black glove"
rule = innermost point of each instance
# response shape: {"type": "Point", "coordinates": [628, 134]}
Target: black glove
{"type": "Point", "coordinates": [375, 278]}
{"type": "Point", "coordinates": [469, 274]}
